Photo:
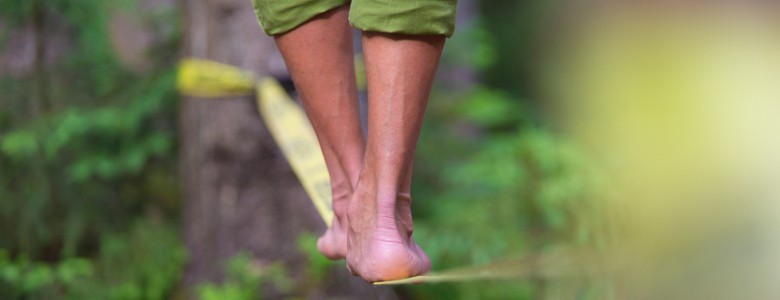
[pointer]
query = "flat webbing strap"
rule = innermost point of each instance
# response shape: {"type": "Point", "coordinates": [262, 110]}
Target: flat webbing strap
{"type": "Point", "coordinates": [292, 131]}
{"type": "Point", "coordinates": [284, 118]}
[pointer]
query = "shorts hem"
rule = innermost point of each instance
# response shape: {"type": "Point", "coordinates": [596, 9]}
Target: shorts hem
{"type": "Point", "coordinates": [279, 17]}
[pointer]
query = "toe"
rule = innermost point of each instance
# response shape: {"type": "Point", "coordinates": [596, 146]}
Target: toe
{"type": "Point", "coordinates": [326, 247]}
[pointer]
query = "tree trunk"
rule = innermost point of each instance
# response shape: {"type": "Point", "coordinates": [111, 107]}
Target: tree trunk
{"type": "Point", "coordinates": [240, 194]}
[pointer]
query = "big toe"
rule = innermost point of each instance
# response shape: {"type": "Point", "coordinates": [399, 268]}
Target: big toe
{"type": "Point", "coordinates": [326, 246]}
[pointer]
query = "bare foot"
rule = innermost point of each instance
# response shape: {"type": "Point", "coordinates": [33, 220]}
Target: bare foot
{"type": "Point", "coordinates": [380, 240]}
{"type": "Point", "coordinates": [333, 243]}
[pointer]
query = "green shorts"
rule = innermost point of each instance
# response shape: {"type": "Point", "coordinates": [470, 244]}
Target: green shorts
{"type": "Point", "coordinates": [392, 16]}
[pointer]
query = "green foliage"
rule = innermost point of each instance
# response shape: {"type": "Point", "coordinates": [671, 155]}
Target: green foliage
{"type": "Point", "coordinates": [76, 160]}
{"type": "Point", "coordinates": [88, 188]}
{"type": "Point", "coordinates": [96, 131]}
{"type": "Point", "coordinates": [473, 47]}
{"type": "Point", "coordinates": [318, 266]}
{"type": "Point", "coordinates": [497, 186]}
{"type": "Point", "coordinates": [518, 27]}
{"type": "Point", "coordinates": [491, 109]}
{"type": "Point", "coordinates": [245, 279]}
{"type": "Point", "coordinates": [491, 182]}
{"type": "Point", "coordinates": [22, 277]}
{"type": "Point", "coordinates": [88, 19]}
{"type": "Point", "coordinates": [19, 145]}
{"type": "Point", "coordinates": [144, 264]}
{"type": "Point", "coordinates": [104, 143]}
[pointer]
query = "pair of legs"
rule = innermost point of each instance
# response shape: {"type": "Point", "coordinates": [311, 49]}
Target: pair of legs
{"type": "Point", "coordinates": [370, 178]}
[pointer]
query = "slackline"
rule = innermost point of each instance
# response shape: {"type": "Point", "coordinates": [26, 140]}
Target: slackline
{"type": "Point", "coordinates": [292, 131]}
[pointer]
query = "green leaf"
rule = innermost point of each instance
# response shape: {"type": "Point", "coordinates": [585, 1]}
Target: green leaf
{"type": "Point", "coordinates": [490, 108]}
{"type": "Point", "coordinates": [71, 269]}
{"type": "Point", "coordinates": [39, 276]}
{"type": "Point", "coordinates": [19, 144]}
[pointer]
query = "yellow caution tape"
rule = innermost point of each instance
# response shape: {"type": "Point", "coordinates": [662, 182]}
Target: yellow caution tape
{"type": "Point", "coordinates": [294, 134]}
{"type": "Point", "coordinates": [291, 129]}
{"type": "Point", "coordinates": [209, 79]}
{"type": "Point", "coordinates": [286, 121]}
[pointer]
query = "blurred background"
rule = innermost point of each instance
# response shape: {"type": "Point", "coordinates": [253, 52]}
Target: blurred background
{"type": "Point", "coordinates": [595, 149]}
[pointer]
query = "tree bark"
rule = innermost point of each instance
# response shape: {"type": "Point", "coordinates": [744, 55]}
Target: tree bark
{"type": "Point", "coordinates": [240, 194]}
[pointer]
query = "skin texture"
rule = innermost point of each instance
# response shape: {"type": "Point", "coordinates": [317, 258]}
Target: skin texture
{"type": "Point", "coordinates": [371, 179]}
{"type": "Point", "coordinates": [319, 54]}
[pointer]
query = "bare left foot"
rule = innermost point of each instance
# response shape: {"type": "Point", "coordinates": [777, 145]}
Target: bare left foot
{"type": "Point", "coordinates": [333, 243]}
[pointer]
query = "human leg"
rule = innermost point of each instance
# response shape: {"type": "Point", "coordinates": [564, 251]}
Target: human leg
{"type": "Point", "coordinates": [319, 56]}
{"type": "Point", "coordinates": [400, 70]}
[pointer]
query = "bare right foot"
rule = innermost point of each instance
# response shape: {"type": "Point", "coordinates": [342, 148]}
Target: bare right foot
{"type": "Point", "coordinates": [380, 240]}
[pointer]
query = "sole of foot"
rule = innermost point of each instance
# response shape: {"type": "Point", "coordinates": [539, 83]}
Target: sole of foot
{"type": "Point", "coordinates": [380, 243]}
